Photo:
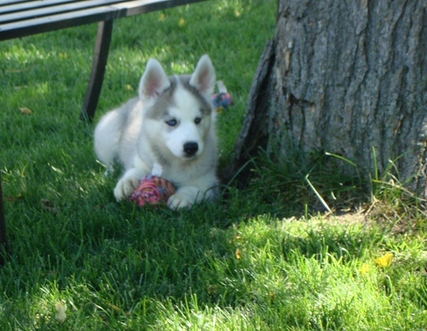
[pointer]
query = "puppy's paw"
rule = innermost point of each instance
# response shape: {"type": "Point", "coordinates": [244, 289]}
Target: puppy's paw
{"type": "Point", "coordinates": [125, 187]}
{"type": "Point", "coordinates": [179, 200]}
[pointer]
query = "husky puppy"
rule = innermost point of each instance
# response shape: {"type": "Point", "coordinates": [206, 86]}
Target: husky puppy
{"type": "Point", "coordinates": [171, 124]}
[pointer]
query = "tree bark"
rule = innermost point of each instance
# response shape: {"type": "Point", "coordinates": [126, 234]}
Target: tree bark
{"type": "Point", "coordinates": [345, 77]}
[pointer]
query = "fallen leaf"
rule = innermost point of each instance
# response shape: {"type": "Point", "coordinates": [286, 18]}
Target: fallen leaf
{"type": "Point", "coordinates": [25, 110]}
{"type": "Point", "coordinates": [385, 260]}
{"type": "Point", "coordinates": [238, 254]}
{"type": "Point", "coordinates": [60, 312]}
{"type": "Point", "coordinates": [114, 307]}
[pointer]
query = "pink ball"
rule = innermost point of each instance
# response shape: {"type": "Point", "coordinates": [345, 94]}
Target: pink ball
{"type": "Point", "coordinates": [152, 190]}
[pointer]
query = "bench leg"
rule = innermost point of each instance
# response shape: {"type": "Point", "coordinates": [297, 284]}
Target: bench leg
{"type": "Point", "coordinates": [3, 237]}
{"type": "Point", "coordinates": [100, 56]}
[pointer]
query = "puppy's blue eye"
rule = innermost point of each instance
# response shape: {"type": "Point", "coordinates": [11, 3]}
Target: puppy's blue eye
{"type": "Point", "coordinates": [171, 122]}
{"type": "Point", "coordinates": [197, 120]}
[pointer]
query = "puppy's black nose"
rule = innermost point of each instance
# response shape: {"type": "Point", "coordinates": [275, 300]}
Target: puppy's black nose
{"type": "Point", "coordinates": [190, 148]}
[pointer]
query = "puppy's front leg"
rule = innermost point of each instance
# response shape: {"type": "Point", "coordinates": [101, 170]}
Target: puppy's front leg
{"type": "Point", "coordinates": [128, 183]}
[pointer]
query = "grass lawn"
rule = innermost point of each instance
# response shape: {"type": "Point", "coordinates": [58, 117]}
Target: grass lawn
{"type": "Point", "coordinates": [258, 259]}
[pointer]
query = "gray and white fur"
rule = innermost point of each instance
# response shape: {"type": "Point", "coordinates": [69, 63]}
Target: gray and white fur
{"type": "Point", "coordinates": [171, 124]}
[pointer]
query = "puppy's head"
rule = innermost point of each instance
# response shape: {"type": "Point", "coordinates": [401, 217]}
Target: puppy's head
{"type": "Point", "coordinates": [178, 110]}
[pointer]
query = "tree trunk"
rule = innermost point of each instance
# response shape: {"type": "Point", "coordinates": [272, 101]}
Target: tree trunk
{"type": "Point", "coordinates": [345, 77]}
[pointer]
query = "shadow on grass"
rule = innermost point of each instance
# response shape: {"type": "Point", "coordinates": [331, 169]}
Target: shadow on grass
{"type": "Point", "coordinates": [111, 262]}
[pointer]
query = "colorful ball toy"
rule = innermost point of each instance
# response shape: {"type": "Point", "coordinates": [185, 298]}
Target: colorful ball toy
{"type": "Point", "coordinates": [222, 100]}
{"type": "Point", "coordinates": [152, 190]}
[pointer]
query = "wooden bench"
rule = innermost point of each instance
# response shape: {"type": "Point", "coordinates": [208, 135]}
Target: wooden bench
{"type": "Point", "coordinates": [20, 18]}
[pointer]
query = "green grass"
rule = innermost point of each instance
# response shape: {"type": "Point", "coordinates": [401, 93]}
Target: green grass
{"type": "Point", "coordinates": [243, 263]}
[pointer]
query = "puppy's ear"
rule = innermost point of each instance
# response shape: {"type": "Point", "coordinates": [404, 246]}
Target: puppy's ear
{"type": "Point", "coordinates": [153, 82]}
{"type": "Point", "coordinates": [204, 77]}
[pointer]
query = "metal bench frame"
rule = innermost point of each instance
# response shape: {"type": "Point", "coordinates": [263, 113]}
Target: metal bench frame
{"type": "Point", "coordinates": [21, 18]}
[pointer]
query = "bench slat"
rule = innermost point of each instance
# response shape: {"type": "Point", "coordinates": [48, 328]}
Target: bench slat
{"type": "Point", "coordinates": [11, 2]}
{"type": "Point", "coordinates": [17, 6]}
{"type": "Point", "coordinates": [28, 27]}
{"type": "Point", "coordinates": [55, 7]}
